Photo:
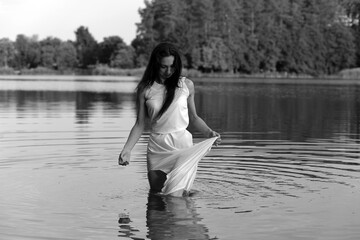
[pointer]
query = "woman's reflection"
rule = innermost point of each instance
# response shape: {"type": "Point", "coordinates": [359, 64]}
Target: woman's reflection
{"type": "Point", "coordinates": [173, 218]}
{"type": "Point", "coordinates": [126, 230]}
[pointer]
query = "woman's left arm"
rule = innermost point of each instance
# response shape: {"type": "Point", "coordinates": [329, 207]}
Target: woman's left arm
{"type": "Point", "coordinates": [198, 123]}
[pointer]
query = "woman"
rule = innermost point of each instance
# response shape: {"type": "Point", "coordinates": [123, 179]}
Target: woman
{"type": "Point", "coordinates": [168, 100]}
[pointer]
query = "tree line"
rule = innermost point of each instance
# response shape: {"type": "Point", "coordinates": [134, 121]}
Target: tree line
{"type": "Point", "coordinates": [295, 36]}
{"type": "Point", "coordinates": [84, 52]}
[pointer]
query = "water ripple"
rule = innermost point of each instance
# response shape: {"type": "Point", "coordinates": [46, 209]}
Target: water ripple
{"type": "Point", "coordinates": [240, 168]}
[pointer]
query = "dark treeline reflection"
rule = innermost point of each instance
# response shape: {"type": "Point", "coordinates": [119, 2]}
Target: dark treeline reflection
{"type": "Point", "coordinates": [167, 218]}
{"type": "Point", "coordinates": [57, 102]}
{"type": "Point", "coordinates": [294, 112]}
{"type": "Point", "coordinates": [278, 111]}
{"type": "Point", "coordinates": [173, 218]}
{"type": "Point", "coordinates": [84, 100]}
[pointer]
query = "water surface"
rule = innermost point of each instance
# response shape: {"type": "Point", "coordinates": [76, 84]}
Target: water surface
{"type": "Point", "coordinates": [288, 167]}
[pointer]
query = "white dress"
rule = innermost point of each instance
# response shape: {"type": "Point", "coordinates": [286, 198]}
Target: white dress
{"type": "Point", "coordinates": [170, 148]}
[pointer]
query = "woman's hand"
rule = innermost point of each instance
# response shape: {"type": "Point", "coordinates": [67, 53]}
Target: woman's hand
{"type": "Point", "coordinates": [215, 134]}
{"type": "Point", "coordinates": [124, 158]}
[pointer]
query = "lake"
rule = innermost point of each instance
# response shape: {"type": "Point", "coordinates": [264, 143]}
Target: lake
{"type": "Point", "coordinates": [288, 166]}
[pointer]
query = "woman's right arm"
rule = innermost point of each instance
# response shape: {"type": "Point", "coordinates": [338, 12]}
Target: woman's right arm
{"type": "Point", "coordinates": [135, 133]}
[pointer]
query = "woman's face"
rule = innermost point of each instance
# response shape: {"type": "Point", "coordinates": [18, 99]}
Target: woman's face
{"type": "Point", "coordinates": [166, 68]}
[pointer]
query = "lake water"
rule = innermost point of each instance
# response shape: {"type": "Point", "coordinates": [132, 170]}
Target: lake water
{"type": "Point", "coordinates": [288, 166]}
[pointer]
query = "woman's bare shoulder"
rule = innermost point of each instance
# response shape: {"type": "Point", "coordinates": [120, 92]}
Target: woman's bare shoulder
{"type": "Point", "coordinates": [143, 92]}
{"type": "Point", "coordinates": [189, 84]}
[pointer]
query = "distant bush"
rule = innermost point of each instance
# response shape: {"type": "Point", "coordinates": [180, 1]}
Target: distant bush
{"type": "Point", "coordinates": [39, 71]}
{"type": "Point", "coordinates": [104, 70]}
{"type": "Point", "coordinates": [7, 71]}
{"type": "Point", "coordinates": [191, 73]}
{"type": "Point", "coordinates": [352, 73]}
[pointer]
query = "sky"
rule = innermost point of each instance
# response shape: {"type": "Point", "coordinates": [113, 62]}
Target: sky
{"type": "Point", "coordinates": [61, 18]}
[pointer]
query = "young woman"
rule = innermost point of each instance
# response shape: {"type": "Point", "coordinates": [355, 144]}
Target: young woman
{"type": "Point", "coordinates": [167, 99]}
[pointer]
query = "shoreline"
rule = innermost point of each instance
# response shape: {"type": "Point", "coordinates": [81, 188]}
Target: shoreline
{"type": "Point", "coordinates": [96, 78]}
{"type": "Point", "coordinates": [200, 79]}
{"type": "Point", "coordinates": [274, 80]}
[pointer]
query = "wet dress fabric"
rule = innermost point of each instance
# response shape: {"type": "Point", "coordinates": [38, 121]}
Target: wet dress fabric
{"type": "Point", "coordinates": [170, 147]}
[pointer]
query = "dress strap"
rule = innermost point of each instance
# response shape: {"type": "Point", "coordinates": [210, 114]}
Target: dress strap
{"type": "Point", "coordinates": [148, 92]}
{"type": "Point", "coordinates": [184, 86]}
{"type": "Point", "coordinates": [183, 79]}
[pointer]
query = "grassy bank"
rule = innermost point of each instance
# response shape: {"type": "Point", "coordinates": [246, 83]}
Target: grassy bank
{"type": "Point", "coordinates": [101, 70]}
{"type": "Point", "coordinates": [94, 71]}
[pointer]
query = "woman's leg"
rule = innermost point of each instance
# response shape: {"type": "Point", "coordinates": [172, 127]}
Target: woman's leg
{"type": "Point", "coordinates": [157, 179]}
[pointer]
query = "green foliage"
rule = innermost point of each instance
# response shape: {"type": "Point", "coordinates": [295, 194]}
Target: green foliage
{"type": "Point", "coordinates": [105, 70]}
{"type": "Point", "coordinates": [49, 52]}
{"type": "Point", "coordinates": [296, 36]}
{"type": "Point", "coordinates": [342, 50]}
{"type": "Point", "coordinates": [39, 71]}
{"type": "Point", "coordinates": [28, 51]}
{"type": "Point", "coordinates": [115, 53]}
{"type": "Point", "coordinates": [7, 52]}
{"type": "Point", "coordinates": [86, 47]}
{"type": "Point", "coordinates": [123, 58]}
{"type": "Point", "coordinates": [109, 47]}
{"type": "Point", "coordinates": [301, 37]}
{"type": "Point", "coordinates": [214, 56]}
{"type": "Point", "coordinates": [7, 71]}
{"type": "Point", "coordinates": [66, 56]}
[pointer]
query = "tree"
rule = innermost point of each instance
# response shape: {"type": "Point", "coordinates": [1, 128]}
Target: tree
{"type": "Point", "coordinates": [213, 56]}
{"type": "Point", "coordinates": [341, 47]}
{"type": "Point", "coordinates": [86, 47]}
{"type": "Point", "coordinates": [123, 58]}
{"type": "Point", "coordinates": [162, 20]}
{"type": "Point", "coordinates": [7, 52]}
{"type": "Point", "coordinates": [109, 47]}
{"type": "Point", "coordinates": [352, 11]}
{"type": "Point", "coordinates": [299, 36]}
{"type": "Point", "coordinates": [145, 37]}
{"type": "Point", "coordinates": [141, 52]}
{"type": "Point", "coordinates": [28, 51]}
{"type": "Point", "coordinates": [49, 52]}
{"type": "Point", "coordinates": [66, 55]}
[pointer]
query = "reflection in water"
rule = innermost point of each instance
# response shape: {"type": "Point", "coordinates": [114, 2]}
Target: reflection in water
{"type": "Point", "coordinates": [274, 168]}
{"type": "Point", "coordinates": [85, 101]}
{"type": "Point", "coordinates": [167, 218]}
{"type": "Point", "coordinates": [295, 112]}
{"type": "Point", "coordinates": [357, 113]}
{"type": "Point", "coordinates": [126, 230]}
{"type": "Point", "coordinates": [55, 102]}
{"type": "Point", "coordinates": [173, 218]}
{"type": "Point", "coordinates": [288, 163]}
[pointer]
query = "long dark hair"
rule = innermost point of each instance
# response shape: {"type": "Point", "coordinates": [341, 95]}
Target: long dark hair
{"type": "Point", "coordinates": [152, 72]}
